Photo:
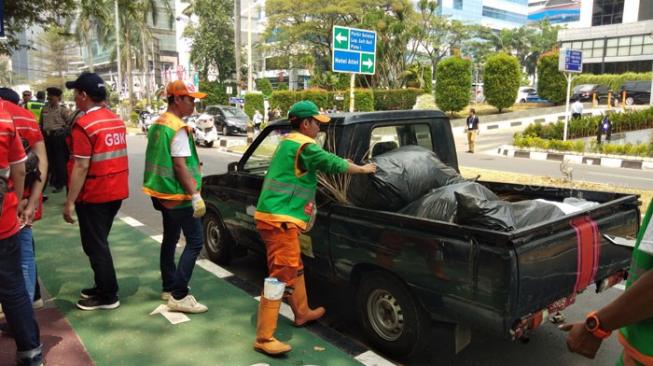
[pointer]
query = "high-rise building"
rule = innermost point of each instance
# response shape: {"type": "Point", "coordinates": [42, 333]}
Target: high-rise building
{"type": "Point", "coordinates": [615, 36]}
{"type": "Point", "coordinates": [561, 12]}
{"type": "Point", "coordinates": [495, 14]}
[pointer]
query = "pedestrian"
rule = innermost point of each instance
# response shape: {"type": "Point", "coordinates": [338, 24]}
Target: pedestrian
{"type": "Point", "coordinates": [576, 109]}
{"type": "Point", "coordinates": [36, 106]}
{"type": "Point", "coordinates": [471, 127]}
{"type": "Point", "coordinates": [36, 172]}
{"type": "Point", "coordinates": [270, 115]}
{"type": "Point", "coordinates": [54, 120]}
{"type": "Point", "coordinates": [286, 207]}
{"type": "Point", "coordinates": [173, 180]}
{"type": "Point", "coordinates": [257, 119]}
{"type": "Point", "coordinates": [604, 127]}
{"type": "Point", "coordinates": [27, 97]}
{"type": "Point", "coordinates": [630, 314]}
{"type": "Point", "coordinates": [16, 304]}
{"type": "Point", "coordinates": [98, 170]}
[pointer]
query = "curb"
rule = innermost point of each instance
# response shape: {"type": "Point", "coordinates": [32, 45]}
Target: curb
{"type": "Point", "coordinates": [611, 161]}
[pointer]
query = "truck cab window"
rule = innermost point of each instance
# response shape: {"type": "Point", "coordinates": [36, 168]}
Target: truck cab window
{"type": "Point", "coordinates": [259, 161]}
{"type": "Point", "coordinates": [388, 138]}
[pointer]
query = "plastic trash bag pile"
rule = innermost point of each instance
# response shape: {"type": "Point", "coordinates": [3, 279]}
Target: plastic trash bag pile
{"type": "Point", "coordinates": [411, 180]}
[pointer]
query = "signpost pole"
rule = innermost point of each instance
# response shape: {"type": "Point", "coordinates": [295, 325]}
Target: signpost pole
{"type": "Point", "coordinates": [352, 83]}
{"type": "Point", "coordinates": [564, 134]}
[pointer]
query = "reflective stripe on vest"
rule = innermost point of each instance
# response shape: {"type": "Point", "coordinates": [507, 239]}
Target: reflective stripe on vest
{"type": "Point", "coordinates": [109, 155]}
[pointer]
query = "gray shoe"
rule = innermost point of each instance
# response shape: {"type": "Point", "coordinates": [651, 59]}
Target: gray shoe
{"type": "Point", "coordinates": [186, 305]}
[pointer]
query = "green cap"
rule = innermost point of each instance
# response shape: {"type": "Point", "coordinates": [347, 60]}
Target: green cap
{"type": "Point", "coordinates": [307, 109]}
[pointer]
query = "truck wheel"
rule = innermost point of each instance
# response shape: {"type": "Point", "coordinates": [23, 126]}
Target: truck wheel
{"type": "Point", "coordinates": [208, 144]}
{"type": "Point", "coordinates": [217, 244]}
{"type": "Point", "coordinates": [390, 316]}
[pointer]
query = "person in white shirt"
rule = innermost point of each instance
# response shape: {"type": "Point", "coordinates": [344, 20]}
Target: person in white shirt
{"type": "Point", "coordinates": [257, 119]}
{"type": "Point", "coordinates": [576, 109]}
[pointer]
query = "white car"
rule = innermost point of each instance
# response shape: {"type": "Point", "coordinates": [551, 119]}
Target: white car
{"type": "Point", "coordinates": [522, 93]}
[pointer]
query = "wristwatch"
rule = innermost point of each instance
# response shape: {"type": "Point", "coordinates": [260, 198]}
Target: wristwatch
{"type": "Point", "coordinates": [593, 325]}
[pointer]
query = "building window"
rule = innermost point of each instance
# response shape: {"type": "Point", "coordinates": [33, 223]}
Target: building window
{"type": "Point", "coordinates": [607, 12]}
{"type": "Point", "coordinates": [504, 15]}
{"type": "Point", "coordinates": [458, 4]}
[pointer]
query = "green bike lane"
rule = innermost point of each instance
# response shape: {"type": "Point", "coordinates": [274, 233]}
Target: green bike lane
{"type": "Point", "coordinates": [129, 335]}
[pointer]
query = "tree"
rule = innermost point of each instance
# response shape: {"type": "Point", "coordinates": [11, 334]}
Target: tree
{"type": "Point", "coordinates": [454, 81]}
{"type": "Point", "coordinates": [265, 86]}
{"type": "Point", "coordinates": [212, 38]}
{"type": "Point", "coordinates": [552, 84]}
{"type": "Point", "coordinates": [21, 14]}
{"type": "Point", "coordinates": [93, 16]}
{"type": "Point", "coordinates": [54, 47]}
{"type": "Point", "coordinates": [501, 80]}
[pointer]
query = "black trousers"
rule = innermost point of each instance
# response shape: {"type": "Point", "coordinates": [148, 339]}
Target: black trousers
{"type": "Point", "coordinates": [55, 145]}
{"type": "Point", "coordinates": [95, 220]}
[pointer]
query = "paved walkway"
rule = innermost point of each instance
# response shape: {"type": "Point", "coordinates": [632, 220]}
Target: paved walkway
{"type": "Point", "coordinates": [129, 335]}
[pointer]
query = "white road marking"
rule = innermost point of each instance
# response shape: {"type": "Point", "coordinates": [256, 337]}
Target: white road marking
{"type": "Point", "coordinates": [620, 286]}
{"type": "Point", "coordinates": [213, 268]}
{"type": "Point", "coordinates": [157, 238]}
{"type": "Point", "coordinates": [131, 221]}
{"type": "Point", "coordinates": [370, 358]}
{"type": "Point", "coordinates": [612, 175]}
{"type": "Point", "coordinates": [285, 310]}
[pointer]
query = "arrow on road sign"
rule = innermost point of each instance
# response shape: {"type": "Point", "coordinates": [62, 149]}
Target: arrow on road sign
{"type": "Point", "coordinates": [340, 38]}
{"type": "Point", "coordinates": [367, 63]}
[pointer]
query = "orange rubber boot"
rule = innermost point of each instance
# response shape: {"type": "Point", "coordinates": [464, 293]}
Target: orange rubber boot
{"type": "Point", "coordinates": [266, 324]}
{"type": "Point", "coordinates": [298, 301]}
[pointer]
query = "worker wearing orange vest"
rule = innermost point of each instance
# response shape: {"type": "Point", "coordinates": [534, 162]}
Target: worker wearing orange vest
{"type": "Point", "coordinates": [16, 304]}
{"type": "Point", "coordinates": [630, 315]}
{"type": "Point", "coordinates": [97, 185]}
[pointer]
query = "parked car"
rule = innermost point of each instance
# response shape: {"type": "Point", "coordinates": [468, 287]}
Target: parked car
{"type": "Point", "coordinates": [227, 119]}
{"type": "Point", "coordinates": [407, 274]}
{"type": "Point", "coordinates": [522, 93]}
{"type": "Point", "coordinates": [637, 92]}
{"type": "Point", "coordinates": [584, 92]}
{"type": "Point", "coordinates": [532, 97]}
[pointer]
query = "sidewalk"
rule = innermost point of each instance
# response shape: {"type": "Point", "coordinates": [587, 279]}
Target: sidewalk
{"type": "Point", "coordinates": [129, 335]}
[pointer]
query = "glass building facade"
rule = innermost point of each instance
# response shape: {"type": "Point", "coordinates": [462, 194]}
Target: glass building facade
{"type": "Point", "coordinates": [496, 14]}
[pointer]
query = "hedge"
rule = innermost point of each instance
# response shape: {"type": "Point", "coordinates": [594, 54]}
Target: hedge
{"type": "Point", "coordinates": [363, 100]}
{"type": "Point", "coordinates": [613, 81]}
{"type": "Point", "coordinates": [395, 99]}
{"type": "Point", "coordinates": [643, 150]}
{"type": "Point", "coordinates": [587, 126]}
{"type": "Point", "coordinates": [253, 101]}
{"type": "Point", "coordinates": [551, 84]}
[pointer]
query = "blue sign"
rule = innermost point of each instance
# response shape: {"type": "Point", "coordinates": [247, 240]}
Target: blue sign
{"type": "Point", "coordinates": [2, 18]}
{"type": "Point", "coordinates": [236, 100]}
{"type": "Point", "coordinates": [570, 60]}
{"type": "Point", "coordinates": [354, 50]}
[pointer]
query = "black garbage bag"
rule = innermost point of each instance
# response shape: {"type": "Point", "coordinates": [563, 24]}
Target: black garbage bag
{"type": "Point", "coordinates": [502, 215]}
{"type": "Point", "coordinates": [440, 203]}
{"type": "Point", "coordinates": [402, 176]}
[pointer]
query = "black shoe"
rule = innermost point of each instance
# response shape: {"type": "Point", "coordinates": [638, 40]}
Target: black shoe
{"type": "Point", "coordinates": [95, 303]}
{"type": "Point", "coordinates": [45, 198]}
{"type": "Point", "coordinates": [88, 293]}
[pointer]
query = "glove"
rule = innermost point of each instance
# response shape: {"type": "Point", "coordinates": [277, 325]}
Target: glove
{"type": "Point", "coordinates": [199, 208]}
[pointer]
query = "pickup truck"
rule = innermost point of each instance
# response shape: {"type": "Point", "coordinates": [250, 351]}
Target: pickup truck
{"type": "Point", "coordinates": [408, 273]}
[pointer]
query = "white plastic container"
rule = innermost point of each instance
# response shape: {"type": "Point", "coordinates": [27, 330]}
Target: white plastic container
{"type": "Point", "coordinates": [273, 288]}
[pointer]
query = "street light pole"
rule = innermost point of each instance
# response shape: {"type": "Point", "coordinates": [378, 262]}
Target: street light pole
{"type": "Point", "coordinates": [237, 45]}
{"type": "Point", "coordinates": [250, 81]}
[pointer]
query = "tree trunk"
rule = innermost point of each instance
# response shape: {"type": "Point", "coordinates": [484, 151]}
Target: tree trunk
{"type": "Point", "coordinates": [146, 84]}
{"type": "Point", "coordinates": [128, 69]}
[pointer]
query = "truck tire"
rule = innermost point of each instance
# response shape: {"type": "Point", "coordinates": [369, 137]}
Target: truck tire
{"type": "Point", "coordinates": [208, 144]}
{"type": "Point", "coordinates": [225, 130]}
{"type": "Point", "coordinates": [390, 316]}
{"type": "Point", "coordinates": [217, 243]}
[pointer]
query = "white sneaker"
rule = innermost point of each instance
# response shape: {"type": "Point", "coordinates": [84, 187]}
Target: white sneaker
{"type": "Point", "coordinates": [165, 295]}
{"type": "Point", "coordinates": [186, 305]}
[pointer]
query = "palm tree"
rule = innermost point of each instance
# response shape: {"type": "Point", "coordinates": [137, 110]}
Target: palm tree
{"type": "Point", "coordinates": [93, 16]}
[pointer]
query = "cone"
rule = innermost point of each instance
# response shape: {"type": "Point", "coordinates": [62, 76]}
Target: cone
{"type": "Point", "coordinates": [266, 324]}
{"type": "Point", "coordinates": [298, 301]}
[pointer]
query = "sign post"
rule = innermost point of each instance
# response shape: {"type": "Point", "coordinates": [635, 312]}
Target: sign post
{"type": "Point", "coordinates": [354, 51]}
{"type": "Point", "coordinates": [570, 62]}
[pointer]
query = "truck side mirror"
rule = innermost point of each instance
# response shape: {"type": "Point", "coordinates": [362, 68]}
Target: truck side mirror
{"type": "Point", "coordinates": [232, 167]}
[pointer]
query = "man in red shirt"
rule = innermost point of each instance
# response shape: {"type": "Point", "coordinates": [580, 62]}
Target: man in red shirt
{"type": "Point", "coordinates": [15, 301]}
{"type": "Point", "coordinates": [98, 182]}
{"type": "Point", "coordinates": [37, 167]}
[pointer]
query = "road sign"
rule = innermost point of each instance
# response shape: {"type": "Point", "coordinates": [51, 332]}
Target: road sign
{"type": "Point", "coordinates": [2, 19]}
{"type": "Point", "coordinates": [570, 60]}
{"type": "Point", "coordinates": [354, 50]}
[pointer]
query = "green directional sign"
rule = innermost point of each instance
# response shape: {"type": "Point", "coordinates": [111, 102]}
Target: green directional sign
{"type": "Point", "coordinates": [341, 38]}
{"type": "Point", "coordinates": [367, 63]}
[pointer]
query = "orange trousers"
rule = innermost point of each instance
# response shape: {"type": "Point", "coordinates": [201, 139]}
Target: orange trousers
{"type": "Point", "coordinates": [283, 252]}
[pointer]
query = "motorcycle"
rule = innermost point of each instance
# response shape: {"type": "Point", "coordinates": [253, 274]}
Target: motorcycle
{"type": "Point", "coordinates": [145, 120]}
{"type": "Point", "coordinates": [204, 131]}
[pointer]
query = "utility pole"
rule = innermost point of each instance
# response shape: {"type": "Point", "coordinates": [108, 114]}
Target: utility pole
{"type": "Point", "coordinates": [237, 45]}
{"type": "Point", "coordinates": [250, 81]}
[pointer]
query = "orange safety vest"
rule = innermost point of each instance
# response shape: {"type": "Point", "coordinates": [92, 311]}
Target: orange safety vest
{"type": "Point", "coordinates": [108, 174]}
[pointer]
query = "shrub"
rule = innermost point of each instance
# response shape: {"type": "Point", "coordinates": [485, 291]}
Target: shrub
{"type": "Point", "coordinates": [551, 84]}
{"type": "Point", "coordinates": [428, 80]}
{"type": "Point", "coordinates": [283, 99]}
{"type": "Point", "coordinates": [253, 101]}
{"type": "Point", "coordinates": [282, 86]}
{"type": "Point", "coordinates": [265, 86]}
{"type": "Point", "coordinates": [363, 100]}
{"type": "Point", "coordinates": [613, 81]}
{"type": "Point", "coordinates": [501, 80]}
{"type": "Point", "coordinates": [454, 82]}
{"type": "Point", "coordinates": [321, 97]}
{"type": "Point", "coordinates": [395, 99]}
{"type": "Point", "coordinates": [216, 91]}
